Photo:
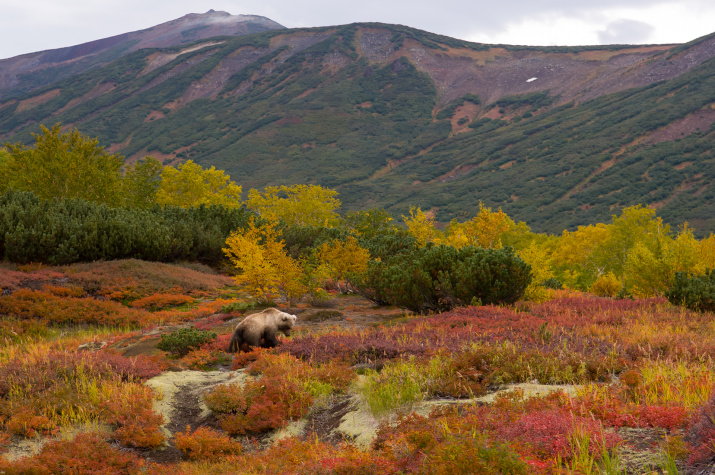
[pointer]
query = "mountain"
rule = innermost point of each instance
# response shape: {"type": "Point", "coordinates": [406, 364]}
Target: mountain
{"type": "Point", "coordinates": [30, 71]}
{"type": "Point", "coordinates": [391, 116]}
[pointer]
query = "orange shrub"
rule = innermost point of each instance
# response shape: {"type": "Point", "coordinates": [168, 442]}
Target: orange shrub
{"type": "Point", "coordinates": [27, 424]}
{"type": "Point", "coordinates": [72, 291]}
{"type": "Point", "coordinates": [337, 374]}
{"type": "Point", "coordinates": [135, 278]}
{"type": "Point", "coordinates": [33, 304]}
{"type": "Point", "coordinates": [203, 359]}
{"type": "Point", "coordinates": [205, 444]}
{"type": "Point", "coordinates": [4, 441]}
{"type": "Point", "coordinates": [243, 359]}
{"type": "Point", "coordinates": [258, 406]}
{"type": "Point", "coordinates": [203, 310]}
{"type": "Point", "coordinates": [161, 301]}
{"type": "Point", "coordinates": [87, 453]}
{"type": "Point", "coordinates": [130, 411]}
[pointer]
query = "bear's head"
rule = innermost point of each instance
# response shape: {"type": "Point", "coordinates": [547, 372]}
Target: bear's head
{"type": "Point", "coordinates": [286, 323]}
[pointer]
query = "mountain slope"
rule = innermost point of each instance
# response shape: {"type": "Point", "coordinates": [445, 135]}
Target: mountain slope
{"type": "Point", "coordinates": [392, 117]}
{"type": "Point", "coordinates": [24, 73]}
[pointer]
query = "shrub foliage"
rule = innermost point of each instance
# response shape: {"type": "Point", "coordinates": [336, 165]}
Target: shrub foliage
{"type": "Point", "coordinates": [695, 292]}
{"type": "Point", "coordinates": [63, 231]}
{"type": "Point", "coordinates": [438, 278]}
{"type": "Point", "coordinates": [182, 341]}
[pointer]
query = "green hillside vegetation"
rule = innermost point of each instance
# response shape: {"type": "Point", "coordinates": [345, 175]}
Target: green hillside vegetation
{"type": "Point", "coordinates": [373, 132]}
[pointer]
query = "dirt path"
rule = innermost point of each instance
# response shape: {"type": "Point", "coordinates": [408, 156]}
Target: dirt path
{"type": "Point", "coordinates": [182, 405]}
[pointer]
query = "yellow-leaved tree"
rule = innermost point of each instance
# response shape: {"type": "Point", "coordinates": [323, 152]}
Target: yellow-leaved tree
{"type": "Point", "coordinates": [707, 252]}
{"type": "Point", "coordinates": [300, 205]}
{"type": "Point", "coordinates": [189, 185]}
{"type": "Point", "coordinates": [367, 223]}
{"type": "Point", "coordinates": [484, 230]}
{"type": "Point", "coordinates": [487, 227]}
{"type": "Point", "coordinates": [5, 170]}
{"type": "Point", "coordinates": [421, 226]}
{"type": "Point", "coordinates": [65, 165]}
{"type": "Point", "coordinates": [538, 258]}
{"type": "Point", "coordinates": [636, 224]}
{"type": "Point", "coordinates": [263, 267]}
{"type": "Point", "coordinates": [342, 258]}
{"type": "Point", "coordinates": [651, 266]}
{"type": "Point", "coordinates": [141, 183]}
{"type": "Point", "coordinates": [574, 259]}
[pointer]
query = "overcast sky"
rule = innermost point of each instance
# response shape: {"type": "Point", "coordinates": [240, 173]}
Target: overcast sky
{"type": "Point", "coordinates": [35, 25]}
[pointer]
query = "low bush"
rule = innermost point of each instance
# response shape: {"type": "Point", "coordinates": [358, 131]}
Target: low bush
{"type": "Point", "coordinates": [701, 434]}
{"type": "Point", "coordinates": [182, 341]}
{"type": "Point", "coordinates": [86, 453]}
{"type": "Point", "coordinates": [318, 378]}
{"type": "Point", "coordinates": [33, 304]}
{"type": "Point", "coordinates": [129, 410]}
{"type": "Point", "coordinates": [63, 231]}
{"type": "Point", "coordinates": [696, 292]}
{"type": "Point", "coordinates": [204, 359]}
{"type": "Point", "coordinates": [438, 278]}
{"type": "Point", "coordinates": [205, 444]}
{"type": "Point", "coordinates": [162, 301]}
{"type": "Point", "coordinates": [606, 285]}
{"type": "Point", "coordinates": [237, 307]}
{"type": "Point", "coordinates": [258, 406]}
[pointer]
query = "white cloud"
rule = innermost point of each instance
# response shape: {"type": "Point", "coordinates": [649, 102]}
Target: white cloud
{"type": "Point", "coordinates": [625, 31]}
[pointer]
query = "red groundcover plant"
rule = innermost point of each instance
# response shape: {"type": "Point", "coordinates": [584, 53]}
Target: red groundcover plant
{"type": "Point", "coordinates": [701, 435]}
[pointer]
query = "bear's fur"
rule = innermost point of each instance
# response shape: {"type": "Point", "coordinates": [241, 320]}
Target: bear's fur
{"type": "Point", "coordinates": [261, 329]}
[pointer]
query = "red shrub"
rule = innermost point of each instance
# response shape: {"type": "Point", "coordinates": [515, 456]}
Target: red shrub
{"type": "Point", "coordinates": [701, 435]}
{"type": "Point", "coordinates": [135, 368]}
{"type": "Point", "coordinates": [612, 407]}
{"type": "Point", "coordinates": [548, 433]}
{"type": "Point", "coordinates": [213, 321]}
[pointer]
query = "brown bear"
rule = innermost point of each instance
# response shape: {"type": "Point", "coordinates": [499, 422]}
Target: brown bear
{"type": "Point", "coordinates": [264, 326]}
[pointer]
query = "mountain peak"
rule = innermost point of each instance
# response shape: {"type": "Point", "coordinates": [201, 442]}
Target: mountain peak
{"type": "Point", "coordinates": [63, 62]}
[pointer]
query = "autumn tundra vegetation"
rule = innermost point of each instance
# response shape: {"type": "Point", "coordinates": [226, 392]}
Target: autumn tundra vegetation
{"type": "Point", "coordinates": [100, 258]}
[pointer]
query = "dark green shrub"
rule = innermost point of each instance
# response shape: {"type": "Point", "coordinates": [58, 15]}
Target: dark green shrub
{"type": "Point", "coordinates": [182, 341]}
{"type": "Point", "coordinates": [695, 292]}
{"type": "Point", "coordinates": [300, 241]}
{"type": "Point", "coordinates": [438, 278]}
{"type": "Point", "coordinates": [67, 231]}
{"type": "Point", "coordinates": [389, 243]}
{"type": "Point", "coordinates": [552, 283]}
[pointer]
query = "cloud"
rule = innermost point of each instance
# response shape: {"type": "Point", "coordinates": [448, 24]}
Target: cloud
{"type": "Point", "coordinates": [625, 31]}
